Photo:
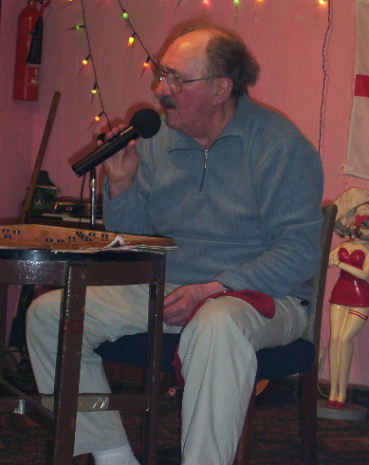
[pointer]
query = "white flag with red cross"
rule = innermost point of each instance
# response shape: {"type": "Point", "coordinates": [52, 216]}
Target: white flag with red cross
{"type": "Point", "coordinates": [358, 144]}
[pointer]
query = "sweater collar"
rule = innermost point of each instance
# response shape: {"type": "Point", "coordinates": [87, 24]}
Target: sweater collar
{"type": "Point", "coordinates": [236, 127]}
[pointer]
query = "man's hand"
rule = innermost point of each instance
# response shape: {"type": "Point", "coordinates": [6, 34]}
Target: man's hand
{"type": "Point", "coordinates": [122, 167]}
{"type": "Point", "coordinates": [179, 304]}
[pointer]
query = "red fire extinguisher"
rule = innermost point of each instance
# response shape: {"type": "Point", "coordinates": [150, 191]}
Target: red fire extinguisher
{"type": "Point", "coordinates": [28, 53]}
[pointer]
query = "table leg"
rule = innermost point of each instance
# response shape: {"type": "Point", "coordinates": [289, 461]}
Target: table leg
{"type": "Point", "coordinates": [3, 305]}
{"type": "Point", "coordinates": [68, 364]}
{"type": "Point", "coordinates": [155, 329]}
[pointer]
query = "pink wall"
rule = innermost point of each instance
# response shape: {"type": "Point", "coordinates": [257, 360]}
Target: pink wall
{"type": "Point", "coordinates": [16, 125]}
{"type": "Point", "coordinates": [286, 36]}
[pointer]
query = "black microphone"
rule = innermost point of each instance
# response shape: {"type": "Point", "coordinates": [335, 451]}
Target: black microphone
{"type": "Point", "coordinates": [144, 123]}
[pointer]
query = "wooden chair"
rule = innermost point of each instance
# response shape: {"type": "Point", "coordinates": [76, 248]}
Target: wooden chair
{"type": "Point", "coordinates": [299, 357]}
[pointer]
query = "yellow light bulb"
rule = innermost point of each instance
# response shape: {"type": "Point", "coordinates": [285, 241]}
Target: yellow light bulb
{"type": "Point", "coordinates": [98, 117]}
{"type": "Point", "coordinates": [131, 40]}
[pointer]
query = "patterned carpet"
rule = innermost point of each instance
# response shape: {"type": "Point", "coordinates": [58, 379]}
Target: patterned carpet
{"type": "Point", "coordinates": [23, 442]}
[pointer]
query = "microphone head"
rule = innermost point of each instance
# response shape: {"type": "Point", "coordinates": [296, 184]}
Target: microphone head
{"type": "Point", "coordinates": [147, 122]}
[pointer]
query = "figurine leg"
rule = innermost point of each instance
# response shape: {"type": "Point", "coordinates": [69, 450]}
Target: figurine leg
{"type": "Point", "coordinates": [354, 322]}
{"type": "Point", "coordinates": [338, 314]}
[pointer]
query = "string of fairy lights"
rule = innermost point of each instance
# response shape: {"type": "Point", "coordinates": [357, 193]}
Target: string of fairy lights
{"type": "Point", "coordinates": [134, 37]}
{"type": "Point", "coordinates": [325, 75]}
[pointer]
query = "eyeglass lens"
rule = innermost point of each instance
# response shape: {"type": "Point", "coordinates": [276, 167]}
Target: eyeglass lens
{"type": "Point", "coordinates": [173, 80]}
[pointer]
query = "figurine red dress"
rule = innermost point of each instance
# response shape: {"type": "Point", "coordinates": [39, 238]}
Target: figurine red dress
{"type": "Point", "coordinates": [350, 290]}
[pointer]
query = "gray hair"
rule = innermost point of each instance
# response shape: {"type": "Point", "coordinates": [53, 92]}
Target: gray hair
{"type": "Point", "coordinates": [227, 56]}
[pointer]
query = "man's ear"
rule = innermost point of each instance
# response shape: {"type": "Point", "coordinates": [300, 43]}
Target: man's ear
{"type": "Point", "coordinates": [222, 89]}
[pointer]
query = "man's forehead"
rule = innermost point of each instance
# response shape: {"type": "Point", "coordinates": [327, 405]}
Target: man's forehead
{"type": "Point", "coordinates": [185, 50]}
{"type": "Point", "coordinates": [197, 40]}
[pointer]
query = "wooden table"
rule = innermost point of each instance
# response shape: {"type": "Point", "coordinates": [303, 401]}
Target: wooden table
{"type": "Point", "coordinates": [73, 271]}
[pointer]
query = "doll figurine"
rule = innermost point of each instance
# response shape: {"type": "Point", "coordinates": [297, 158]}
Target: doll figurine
{"type": "Point", "coordinates": [349, 302]}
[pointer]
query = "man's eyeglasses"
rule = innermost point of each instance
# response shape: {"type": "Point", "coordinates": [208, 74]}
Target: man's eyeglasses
{"type": "Point", "coordinates": [175, 83]}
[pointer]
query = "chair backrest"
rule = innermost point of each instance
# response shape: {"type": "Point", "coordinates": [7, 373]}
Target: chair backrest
{"type": "Point", "coordinates": [318, 282]}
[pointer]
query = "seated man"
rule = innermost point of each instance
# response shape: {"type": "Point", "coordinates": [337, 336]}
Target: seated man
{"type": "Point", "coordinates": [239, 189]}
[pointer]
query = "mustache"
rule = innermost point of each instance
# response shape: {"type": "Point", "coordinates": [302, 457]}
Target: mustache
{"type": "Point", "coordinates": [167, 102]}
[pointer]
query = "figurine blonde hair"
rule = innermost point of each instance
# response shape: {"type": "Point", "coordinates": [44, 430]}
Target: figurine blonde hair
{"type": "Point", "coordinates": [352, 204]}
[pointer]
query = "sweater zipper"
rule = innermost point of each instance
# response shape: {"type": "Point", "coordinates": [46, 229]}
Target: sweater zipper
{"type": "Point", "coordinates": [206, 154]}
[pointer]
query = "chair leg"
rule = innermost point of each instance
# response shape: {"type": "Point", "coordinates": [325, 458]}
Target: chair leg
{"type": "Point", "coordinates": [243, 453]}
{"type": "Point", "coordinates": [308, 416]}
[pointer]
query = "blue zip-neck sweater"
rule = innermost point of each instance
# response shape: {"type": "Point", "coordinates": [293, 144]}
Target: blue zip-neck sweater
{"type": "Point", "coordinates": [246, 212]}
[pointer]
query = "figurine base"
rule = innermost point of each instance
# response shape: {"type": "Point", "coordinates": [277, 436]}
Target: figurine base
{"type": "Point", "coordinates": [348, 412]}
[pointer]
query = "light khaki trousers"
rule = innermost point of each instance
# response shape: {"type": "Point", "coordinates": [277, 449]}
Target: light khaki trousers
{"type": "Point", "coordinates": [217, 349]}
